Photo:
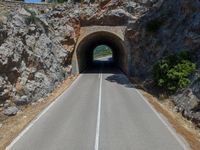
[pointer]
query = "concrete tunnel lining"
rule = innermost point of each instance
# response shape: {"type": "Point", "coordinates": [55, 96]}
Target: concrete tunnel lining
{"type": "Point", "coordinates": [84, 50]}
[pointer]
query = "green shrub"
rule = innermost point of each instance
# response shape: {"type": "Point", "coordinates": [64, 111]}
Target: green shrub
{"type": "Point", "coordinates": [57, 1]}
{"type": "Point", "coordinates": [32, 18]}
{"type": "Point", "coordinates": [173, 72]}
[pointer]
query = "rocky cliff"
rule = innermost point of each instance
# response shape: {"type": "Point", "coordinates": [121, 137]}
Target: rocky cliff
{"type": "Point", "coordinates": [171, 27]}
{"type": "Point", "coordinates": [33, 60]}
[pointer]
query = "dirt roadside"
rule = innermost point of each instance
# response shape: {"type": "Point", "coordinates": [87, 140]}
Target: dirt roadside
{"type": "Point", "coordinates": [12, 126]}
{"type": "Point", "coordinates": [182, 126]}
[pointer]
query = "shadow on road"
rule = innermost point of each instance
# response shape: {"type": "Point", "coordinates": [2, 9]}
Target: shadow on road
{"type": "Point", "coordinates": [105, 67]}
{"type": "Point", "coordinates": [113, 73]}
{"type": "Point", "coordinates": [120, 79]}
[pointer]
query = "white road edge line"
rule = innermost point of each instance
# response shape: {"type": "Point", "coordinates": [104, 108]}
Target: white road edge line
{"type": "Point", "coordinates": [98, 116]}
{"type": "Point", "coordinates": [38, 117]}
{"type": "Point", "coordinates": [164, 122]}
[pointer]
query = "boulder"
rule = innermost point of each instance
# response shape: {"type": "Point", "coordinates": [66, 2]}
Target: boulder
{"type": "Point", "coordinates": [188, 102]}
{"type": "Point", "coordinates": [10, 111]}
{"type": "Point", "coordinates": [24, 100]}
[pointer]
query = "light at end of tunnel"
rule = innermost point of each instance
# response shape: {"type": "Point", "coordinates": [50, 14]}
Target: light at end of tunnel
{"type": "Point", "coordinates": [102, 53]}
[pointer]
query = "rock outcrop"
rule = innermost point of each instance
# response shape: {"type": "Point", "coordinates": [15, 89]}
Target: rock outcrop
{"type": "Point", "coordinates": [33, 60]}
{"type": "Point", "coordinates": [168, 27]}
{"type": "Point", "coordinates": [188, 102]}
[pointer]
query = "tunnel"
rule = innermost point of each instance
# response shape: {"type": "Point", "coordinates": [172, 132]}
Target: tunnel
{"type": "Point", "coordinates": [84, 50]}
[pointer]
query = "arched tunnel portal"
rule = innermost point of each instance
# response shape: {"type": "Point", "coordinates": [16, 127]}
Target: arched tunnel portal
{"type": "Point", "coordinates": [91, 37]}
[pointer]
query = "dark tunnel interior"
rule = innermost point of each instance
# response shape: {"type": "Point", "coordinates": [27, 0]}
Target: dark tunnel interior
{"type": "Point", "coordinates": [88, 44]}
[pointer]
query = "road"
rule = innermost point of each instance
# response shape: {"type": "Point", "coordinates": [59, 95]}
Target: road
{"type": "Point", "coordinates": [100, 111]}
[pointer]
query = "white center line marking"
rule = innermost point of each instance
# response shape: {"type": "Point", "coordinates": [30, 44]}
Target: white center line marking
{"type": "Point", "coordinates": [98, 116]}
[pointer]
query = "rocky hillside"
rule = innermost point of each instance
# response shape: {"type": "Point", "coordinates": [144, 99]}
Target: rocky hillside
{"type": "Point", "coordinates": [33, 61]}
{"type": "Point", "coordinates": [171, 27]}
{"type": "Point", "coordinates": [36, 45]}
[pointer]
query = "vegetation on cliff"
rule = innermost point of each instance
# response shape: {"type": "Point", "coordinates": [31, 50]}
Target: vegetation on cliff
{"type": "Point", "coordinates": [174, 71]}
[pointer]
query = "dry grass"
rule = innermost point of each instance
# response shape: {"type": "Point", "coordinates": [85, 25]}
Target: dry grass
{"type": "Point", "coordinates": [12, 126]}
{"type": "Point", "coordinates": [19, 87]}
{"type": "Point", "coordinates": [182, 126]}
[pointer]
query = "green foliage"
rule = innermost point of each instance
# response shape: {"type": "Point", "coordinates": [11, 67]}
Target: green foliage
{"type": "Point", "coordinates": [173, 71]}
{"type": "Point", "coordinates": [154, 25]}
{"type": "Point", "coordinates": [32, 18]}
{"type": "Point", "coordinates": [102, 51]}
{"type": "Point", "coordinates": [57, 1]}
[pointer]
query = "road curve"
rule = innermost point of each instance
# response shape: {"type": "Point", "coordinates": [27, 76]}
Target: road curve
{"type": "Point", "coordinates": [100, 111]}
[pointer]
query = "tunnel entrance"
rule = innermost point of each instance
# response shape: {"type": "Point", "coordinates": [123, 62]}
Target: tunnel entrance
{"type": "Point", "coordinates": [84, 51]}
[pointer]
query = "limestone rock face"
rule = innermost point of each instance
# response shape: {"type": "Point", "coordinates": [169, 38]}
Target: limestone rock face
{"type": "Point", "coordinates": [6, 88]}
{"type": "Point", "coordinates": [168, 27]}
{"type": "Point", "coordinates": [33, 60]}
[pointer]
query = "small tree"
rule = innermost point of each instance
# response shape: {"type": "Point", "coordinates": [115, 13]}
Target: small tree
{"type": "Point", "coordinates": [173, 72]}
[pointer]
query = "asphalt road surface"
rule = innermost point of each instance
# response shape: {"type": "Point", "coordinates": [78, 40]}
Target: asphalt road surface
{"type": "Point", "coordinates": [100, 111]}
